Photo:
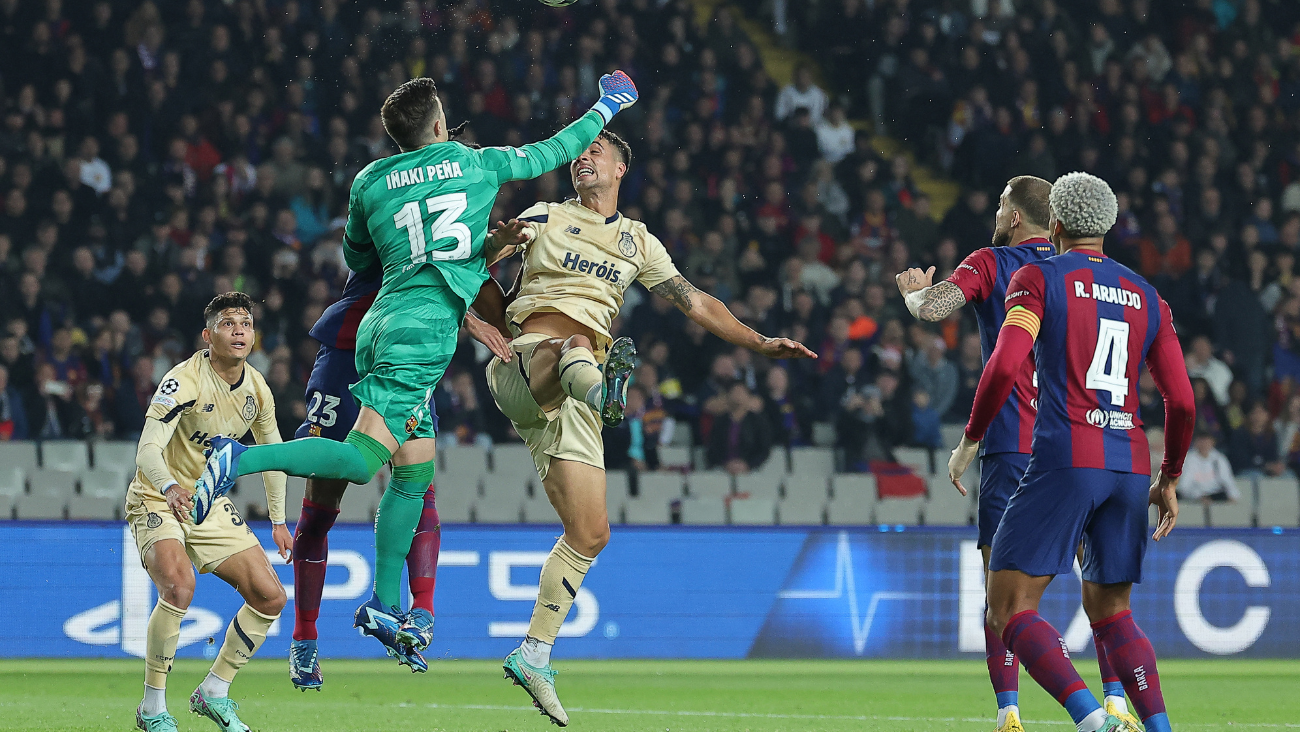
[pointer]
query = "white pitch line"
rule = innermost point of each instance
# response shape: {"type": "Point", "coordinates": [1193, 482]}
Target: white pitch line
{"type": "Point", "coordinates": [812, 717]}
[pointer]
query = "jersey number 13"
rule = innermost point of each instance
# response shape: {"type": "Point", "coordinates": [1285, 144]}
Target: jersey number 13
{"type": "Point", "coordinates": [445, 209]}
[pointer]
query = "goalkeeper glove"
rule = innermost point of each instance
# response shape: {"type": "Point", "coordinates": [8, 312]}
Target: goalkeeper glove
{"type": "Point", "coordinates": [617, 93]}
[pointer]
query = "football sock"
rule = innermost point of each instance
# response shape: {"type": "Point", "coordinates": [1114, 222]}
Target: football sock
{"type": "Point", "coordinates": [562, 575]}
{"type": "Point", "coordinates": [155, 701]}
{"type": "Point", "coordinates": [580, 377]}
{"type": "Point", "coordinates": [215, 687]}
{"type": "Point", "coordinates": [161, 635]}
{"type": "Point", "coordinates": [536, 653]}
{"type": "Point", "coordinates": [310, 553]}
{"type": "Point", "coordinates": [395, 522]}
{"type": "Point", "coordinates": [244, 636]}
{"type": "Point", "coordinates": [355, 460]}
{"type": "Point", "coordinates": [1004, 671]}
{"type": "Point", "coordinates": [1042, 650]}
{"type": "Point", "coordinates": [1134, 661]}
{"type": "Point", "coordinates": [1111, 687]}
{"type": "Point", "coordinates": [422, 561]}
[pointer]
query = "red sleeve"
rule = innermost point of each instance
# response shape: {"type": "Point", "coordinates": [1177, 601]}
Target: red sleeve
{"type": "Point", "coordinates": [1008, 357]}
{"type": "Point", "coordinates": [975, 275]}
{"type": "Point", "coordinates": [1165, 360]}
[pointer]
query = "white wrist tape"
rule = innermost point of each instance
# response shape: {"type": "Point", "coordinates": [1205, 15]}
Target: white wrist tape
{"type": "Point", "coordinates": [914, 300]}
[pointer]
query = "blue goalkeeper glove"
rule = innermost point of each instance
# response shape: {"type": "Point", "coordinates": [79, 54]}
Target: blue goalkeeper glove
{"type": "Point", "coordinates": [617, 93]}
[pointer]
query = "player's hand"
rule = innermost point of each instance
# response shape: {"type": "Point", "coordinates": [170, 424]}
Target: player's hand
{"type": "Point", "coordinates": [617, 93]}
{"type": "Point", "coordinates": [510, 233]}
{"type": "Point", "coordinates": [784, 348]}
{"type": "Point", "coordinates": [489, 336]}
{"type": "Point", "coordinates": [914, 279]}
{"type": "Point", "coordinates": [1164, 496]}
{"type": "Point", "coordinates": [962, 456]}
{"type": "Point", "coordinates": [283, 541]}
{"type": "Point", "coordinates": [181, 501]}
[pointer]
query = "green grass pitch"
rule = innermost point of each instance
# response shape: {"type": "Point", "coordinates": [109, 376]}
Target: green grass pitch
{"type": "Point", "coordinates": [614, 696]}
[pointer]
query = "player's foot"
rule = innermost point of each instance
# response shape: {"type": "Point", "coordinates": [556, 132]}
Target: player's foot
{"type": "Point", "coordinates": [218, 475]}
{"type": "Point", "coordinates": [1115, 724]}
{"type": "Point", "coordinates": [304, 667]}
{"type": "Point", "coordinates": [1011, 723]}
{"type": "Point", "coordinates": [618, 369]}
{"type": "Point", "coordinates": [382, 624]}
{"type": "Point", "coordinates": [220, 709]}
{"type": "Point", "coordinates": [158, 723]}
{"type": "Point", "coordinates": [1122, 714]}
{"type": "Point", "coordinates": [540, 685]}
{"type": "Point", "coordinates": [408, 656]}
{"type": "Point", "coordinates": [417, 629]}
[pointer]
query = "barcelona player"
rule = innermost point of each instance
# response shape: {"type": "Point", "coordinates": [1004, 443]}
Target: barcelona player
{"type": "Point", "coordinates": [1091, 323]}
{"type": "Point", "coordinates": [1019, 237]}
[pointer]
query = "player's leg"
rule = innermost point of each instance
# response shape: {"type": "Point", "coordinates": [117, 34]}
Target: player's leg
{"type": "Point", "coordinates": [1036, 540]}
{"type": "Point", "coordinates": [422, 572]}
{"type": "Point", "coordinates": [172, 573]}
{"type": "Point", "coordinates": [558, 368]}
{"type": "Point", "coordinates": [1112, 688]}
{"type": "Point", "coordinates": [320, 508]}
{"type": "Point", "coordinates": [1000, 474]}
{"type": "Point", "coordinates": [1114, 547]}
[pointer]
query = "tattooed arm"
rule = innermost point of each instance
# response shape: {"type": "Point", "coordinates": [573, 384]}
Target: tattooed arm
{"type": "Point", "coordinates": [709, 312]}
{"type": "Point", "coordinates": [926, 301]}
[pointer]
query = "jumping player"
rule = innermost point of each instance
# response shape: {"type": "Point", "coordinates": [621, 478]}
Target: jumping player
{"type": "Point", "coordinates": [1019, 237]}
{"type": "Point", "coordinates": [579, 257]}
{"type": "Point", "coordinates": [421, 216]}
{"type": "Point", "coordinates": [1091, 324]}
{"type": "Point", "coordinates": [330, 410]}
{"type": "Point", "coordinates": [212, 393]}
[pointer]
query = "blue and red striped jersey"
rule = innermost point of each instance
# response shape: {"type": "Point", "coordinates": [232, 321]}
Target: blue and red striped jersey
{"type": "Point", "coordinates": [337, 326]}
{"type": "Point", "coordinates": [983, 277]}
{"type": "Point", "coordinates": [1099, 319]}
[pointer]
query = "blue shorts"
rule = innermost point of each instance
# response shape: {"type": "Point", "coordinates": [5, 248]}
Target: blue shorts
{"type": "Point", "coordinates": [1053, 510]}
{"type": "Point", "coordinates": [331, 410]}
{"type": "Point", "coordinates": [1000, 475]}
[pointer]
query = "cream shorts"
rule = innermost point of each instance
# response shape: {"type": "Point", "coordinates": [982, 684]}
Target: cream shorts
{"type": "Point", "coordinates": [571, 432]}
{"type": "Point", "coordinates": [223, 535]}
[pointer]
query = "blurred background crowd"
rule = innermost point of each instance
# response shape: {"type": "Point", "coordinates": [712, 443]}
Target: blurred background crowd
{"type": "Point", "coordinates": [155, 153]}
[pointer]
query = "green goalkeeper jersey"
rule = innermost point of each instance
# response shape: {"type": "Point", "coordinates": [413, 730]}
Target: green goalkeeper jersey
{"type": "Point", "coordinates": [423, 215]}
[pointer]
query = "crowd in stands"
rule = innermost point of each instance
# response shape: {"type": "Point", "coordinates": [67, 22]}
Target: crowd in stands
{"type": "Point", "coordinates": [155, 153]}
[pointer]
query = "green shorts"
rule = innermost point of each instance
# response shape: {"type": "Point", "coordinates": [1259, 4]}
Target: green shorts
{"type": "Point", "coordinates": [404, 344]}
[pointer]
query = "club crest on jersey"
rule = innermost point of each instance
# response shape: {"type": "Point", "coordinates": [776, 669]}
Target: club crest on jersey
{"type": "Point", "coordinates": [626, 244]}
{"type": "Point", "coordinates": [1107, 419]}
{"type": "Point", "coordinates": [411, 424]}
{"type": "Point", "coordinates": [250, 408]}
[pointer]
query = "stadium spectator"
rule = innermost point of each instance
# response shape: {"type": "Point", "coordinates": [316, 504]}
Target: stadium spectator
{"type": "Point", "coordinates": [1207, 474]}
{"type": "Point", "coordinates": [739, 440]}
{"type": "Point", "coordinates": [13, 415]}
{"type": "Point", "coordinates": [1253, 449]}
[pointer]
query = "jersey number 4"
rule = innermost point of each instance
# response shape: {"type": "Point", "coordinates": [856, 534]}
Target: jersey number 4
{"type": "Point", "coordinates": [446, 226]}
{"type": "Point", "coordinates": [1109, 368]}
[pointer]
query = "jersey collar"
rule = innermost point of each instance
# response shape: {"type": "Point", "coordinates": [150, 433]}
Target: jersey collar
{"type": "Point", "coordinates": [1036, 241]}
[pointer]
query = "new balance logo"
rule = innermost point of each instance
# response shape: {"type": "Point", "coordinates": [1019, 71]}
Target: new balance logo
{"type": "Point", "coordinates": [551, 606]}
{"type": "Point", "coordinates": [1141, 673]}
{"type": "Point", "coordinates": [572, 230]}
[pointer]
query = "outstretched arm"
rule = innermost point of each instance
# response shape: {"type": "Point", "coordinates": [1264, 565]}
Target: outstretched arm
{"type": "Point", "coordinates": [926, 301]}
{"type": "Point", "coordinates": [709, 312]}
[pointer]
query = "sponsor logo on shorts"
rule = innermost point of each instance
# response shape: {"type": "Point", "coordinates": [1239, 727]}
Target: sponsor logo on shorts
{"type": "Point", "coordinates": [250, 408]}
{"type": "Point", "coordinates": [411, 424]}
{"type": "Point", "coordinates": [1112, 420]}
{"type": "Point", "coordinates": [626, 244]}
{"type": "Point", "coordinates": [169, 387]}
{"type": "Point", "coordinates": [153, 521]}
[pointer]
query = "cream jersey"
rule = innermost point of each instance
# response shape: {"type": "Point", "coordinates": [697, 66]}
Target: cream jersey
{"type": "Point", "coordinates": [191, 406]}
{"type": "Point", "coordinates": [578, 263]}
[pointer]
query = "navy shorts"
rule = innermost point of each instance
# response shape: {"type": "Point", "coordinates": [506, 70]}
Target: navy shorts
{"type": "Point", "coordinates": [1000, 475]}
{"type": "Point", "coordinates": [331, 410]}
{"type": "Point", "coordinates": [1053, 510]}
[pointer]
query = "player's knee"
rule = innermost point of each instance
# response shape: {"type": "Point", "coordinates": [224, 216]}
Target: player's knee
{"type": "Point", "coordinates": [267, 598]}
{"type": "Point", "coordinates": [591, 538]}
{"type": "Point", "coordinates": [176, 587]}
{"type": "Point", "coordinates": [577, 341]}
{"type": "Point", "coordinates": [324, 492]}
{"type": "Point", "coordinates": [1104, 601]}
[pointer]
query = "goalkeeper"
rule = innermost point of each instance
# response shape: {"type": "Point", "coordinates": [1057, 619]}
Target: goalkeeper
{"type": "Point", "coordinates": [421, 216]}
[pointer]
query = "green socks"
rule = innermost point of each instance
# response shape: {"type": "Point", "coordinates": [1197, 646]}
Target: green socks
{"type": "Point", "coordinates": [395, 522]}
{"type": "Point", "coordinates": [355, 460]}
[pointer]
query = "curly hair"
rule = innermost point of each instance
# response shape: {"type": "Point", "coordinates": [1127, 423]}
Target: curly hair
{"type": "Point", "coordinates": [1084, 204]}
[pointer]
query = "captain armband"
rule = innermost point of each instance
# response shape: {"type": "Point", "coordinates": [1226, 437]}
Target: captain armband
{"type": "Point", "coordinates": [1023, 318]}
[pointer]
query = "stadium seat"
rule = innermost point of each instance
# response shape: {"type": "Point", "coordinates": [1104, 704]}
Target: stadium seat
{"type": "Point", "coordinates": [1233, 515]}
{"type": "Point", "coordinates": [21, 455]}
{"type": "Point", "coordinates": [699, 458]}
{"type": "Point", "coordinates": [708, 484]}
{"type": "Point", "coordinates": [47, 482]}
{"type": "Point", "coordinates": [295, 489]}
{"type": "Point", "coordinates": [852, 485]}
{"type": "Point", "coordinates": [498, 508]}
{"type": "Point", "coordinates": [71, 455]}
{"type": "Point", "coordinates": [462, 467]}
{"type": "Point", "coordinates": [42, 506]}
{"type": "Point", "coordinates": [778, 462]}
{"type": "Point", "coordinates": [704, 511]}
{"type": "Point", "coordinates": [115, 455]}
{"type": "Point", "coordinates": [752, 511]}
{"type": "Point", "coordinates": [899, 511]}
{"type": "Point", "coordinates": [453, 501]}
{"type": "Point", "coordinates": [952, 434]}
{"type": "Point", "coordinates": [357, 507]}
{"type": "Point", "coordinates": [759, 484]}
{"type": "Point", "coordinates": [1279, 502]}
{"type": "Point", "coordinates": [823, 434]}
{"type": "Point", "coordinates": [659, 486]}
{"type": "Point", "coordinates": [854, 499]}
{"type": "Point", "coordinates": [6, 507]}
{"type": "Point", "coordinates": [104, 483]}
{"type": "Point", "coordinates": [646, 510]}
{"type": "Point", "coordinates": [945, 506]}
{"type": "Point", "coordinates": [12, 481]}
{"type": "Point", "coordinates": [95, 508]}
{"type": "Point", "coordinates": [801, 511]}
{"type": "Point", "coordinates": [674, 456]}
{"type": "Point", "coordinates": [617, 488]}
{"type": "Point", "coordinates": [1191, 515]}
{"type": "Point", "coordinates": [538, 510]}
{"type": "Point", "coordinates": [917, 458]}
{"type": "Point", "coordinates": [812, 462]}
{"type": "Point", "coordinates": [513, 470]}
